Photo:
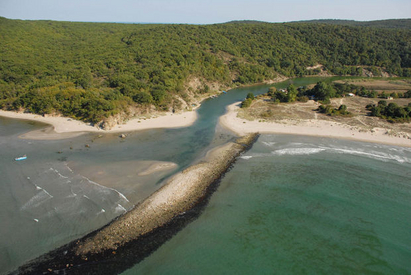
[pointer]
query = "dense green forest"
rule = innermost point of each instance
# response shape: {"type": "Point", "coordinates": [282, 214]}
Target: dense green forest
{"type": "Point", "coordinates": [389, 23]}
{"type": "Point", "coordinates": [91, 71]}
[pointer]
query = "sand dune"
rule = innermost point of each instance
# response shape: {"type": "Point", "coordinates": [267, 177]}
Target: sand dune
{"type": "Point", "coordinates": [311, 127]}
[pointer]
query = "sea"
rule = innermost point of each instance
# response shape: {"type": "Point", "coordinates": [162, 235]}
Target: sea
{"type": "Point", "coordinates": [289, 205]}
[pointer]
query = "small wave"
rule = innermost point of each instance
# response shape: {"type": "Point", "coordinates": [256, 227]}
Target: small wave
{"type": "Point", "coordinates": [246, 157]}
{"type": "Point", "coordinates": [269, 143]}
{"type": "Point", "coordinates": [373, 154]}
{"type": "Point", "coordinates": [101, 211]}
{"type": "Point", "coordinates": [68, 167]}
{"type": "Point", "coordinates": [119, 208]}
{"type": "Point", "coordinates": [72, 194]}
{"type": "Point", "coordinates": [107, 188]}
{"type": "Point", "coordinates": [297, 151]}
{"type": "Point", "coordinates": [58, 173]}
{"type": "Point", "coordinates": [37, 199]}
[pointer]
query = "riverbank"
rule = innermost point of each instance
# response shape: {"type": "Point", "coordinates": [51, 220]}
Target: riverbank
{"type": "Point", "coordinates": [310, 127]}
{"type": "Point", "coordinates": [63, 127]}
{"type": "Point", "coordinates": [97, 252]}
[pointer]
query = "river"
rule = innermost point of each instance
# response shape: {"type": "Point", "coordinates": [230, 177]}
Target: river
{"type": "Point", "coordinates": [291, 205]}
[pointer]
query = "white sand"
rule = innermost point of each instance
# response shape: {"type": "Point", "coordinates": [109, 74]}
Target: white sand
{"type": "Point", "coordinates": [311, 127]}
{"type": "Point", "coordinates": [63, 127]}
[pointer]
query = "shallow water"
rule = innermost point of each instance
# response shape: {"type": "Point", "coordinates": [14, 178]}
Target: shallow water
{"type": "Point", "coordinates": [55, 196]}
{"type": "Point", "coordinates": [300, 205]}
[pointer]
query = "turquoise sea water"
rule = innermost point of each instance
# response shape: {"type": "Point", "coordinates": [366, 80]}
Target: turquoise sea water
{"type": "Point", "coordinates": [300, 205]}
{"type": "Point", "coordinates": [292, 204]}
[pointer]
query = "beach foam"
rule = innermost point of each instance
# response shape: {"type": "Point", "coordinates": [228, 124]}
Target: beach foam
{"type": "Point", "coordinates": [246, 157]}
{"type": "Point", "coordinates": [372, 154]}
{"type": "Point", "coordinates": [297, 151]}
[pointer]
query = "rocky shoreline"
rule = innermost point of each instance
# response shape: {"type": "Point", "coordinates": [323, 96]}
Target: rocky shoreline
{"type": "Point", "coordinates": [133, 236]}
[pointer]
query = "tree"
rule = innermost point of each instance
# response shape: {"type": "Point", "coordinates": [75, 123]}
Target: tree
{"type": "Point", "coordinates": [250, 96]}
{"type": "Point", "coordinates": [382, 103]}
{"type": "Point", "coordinates": [291, 93]}
{"type": "Point", "coordinates": [246, 103]}
{"type": "Point", "coordinates": [342, 108]}
{"type": "Point", "coordinates": [272, 90]}
{"type": "Point", "coordinates": [143, 98]}
{"type": "Point", "coordinates": [323, 91]}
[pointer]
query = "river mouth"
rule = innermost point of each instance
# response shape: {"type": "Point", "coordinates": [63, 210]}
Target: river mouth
{"type": "Point", "coordinates": [119, 245]}
{"type": "Point", "coordinates": [73, 211]}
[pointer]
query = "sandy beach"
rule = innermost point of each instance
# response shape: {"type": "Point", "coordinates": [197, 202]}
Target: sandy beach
{"type": "Point", "coordinates": [63, 127]}
{"type": "Point", "coordinates": [309, 127]}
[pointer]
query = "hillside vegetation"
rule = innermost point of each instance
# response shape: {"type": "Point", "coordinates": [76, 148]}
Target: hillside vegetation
{"type": "Point", "coordinates": [91, 71]}
{"type": "Point", "coordinates": [388, 24]}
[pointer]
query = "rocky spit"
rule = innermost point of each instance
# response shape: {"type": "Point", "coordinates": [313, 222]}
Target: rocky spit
{"type": "Point", "coordinates": [136, 234]}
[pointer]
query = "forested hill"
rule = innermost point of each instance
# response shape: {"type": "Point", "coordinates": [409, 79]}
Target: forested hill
{"type": "Point", "coordinates": [388, 24]}
{"type": "Point", "coordinates": [92, 71]}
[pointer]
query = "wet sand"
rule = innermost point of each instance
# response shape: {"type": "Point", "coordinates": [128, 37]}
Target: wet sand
{"type": "Point", "coordinates": [63, 127]}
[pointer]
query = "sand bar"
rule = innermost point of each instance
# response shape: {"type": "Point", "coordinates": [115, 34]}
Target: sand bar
{"type": "Point", "coordinates": [63, 127]}
{"type": "Point", "coordinates": [111, 249]}
{"type": "Point", "coordinates": [309, 127]}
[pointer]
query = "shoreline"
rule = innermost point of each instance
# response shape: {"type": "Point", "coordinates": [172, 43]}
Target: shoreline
{"type": "Point", "coordinates": [130, 238]}
{"type": "Point", "coordinates": [64, 127]}
{"type": "Point", "coordinates": [310, 127]}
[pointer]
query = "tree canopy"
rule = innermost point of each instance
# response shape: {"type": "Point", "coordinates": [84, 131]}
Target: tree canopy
{"type": "Point", "coordinates": [93, 70]}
